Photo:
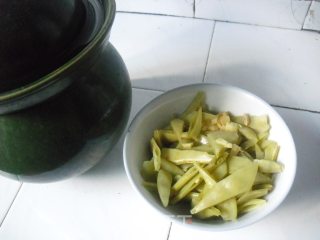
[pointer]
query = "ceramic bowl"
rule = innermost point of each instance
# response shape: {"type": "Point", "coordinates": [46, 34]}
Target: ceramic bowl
{"type": "Point", "coordinates": [158, 113]}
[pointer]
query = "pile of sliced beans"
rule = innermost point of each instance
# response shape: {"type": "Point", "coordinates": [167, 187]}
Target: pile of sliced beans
{"type": "Point", "coordinates": [223, 165]}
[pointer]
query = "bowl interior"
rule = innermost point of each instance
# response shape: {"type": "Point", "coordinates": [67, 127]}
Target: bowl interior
{"type": "Point", "coordinates": [219, 98]}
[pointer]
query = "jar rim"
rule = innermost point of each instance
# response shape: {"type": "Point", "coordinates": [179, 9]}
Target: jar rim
{"type": "Point", "coordinates": [109, 15]}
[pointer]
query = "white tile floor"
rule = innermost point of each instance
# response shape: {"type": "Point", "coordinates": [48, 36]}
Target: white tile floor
{"type": "Point", "coordinates": [282, 66]}
{"type": "Point", "coordinates": [163, 52]}
{"type": "Point", "coordinates": [8, 191]}
{"type": "Point", "coordinates": [159, 62]}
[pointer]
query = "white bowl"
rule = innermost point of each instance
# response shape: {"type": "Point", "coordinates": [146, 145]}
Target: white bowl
{"type": "Point", "coordinates": [219, 98]}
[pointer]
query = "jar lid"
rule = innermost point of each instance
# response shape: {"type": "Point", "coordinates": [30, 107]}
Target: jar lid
{"type": "Point", "coordinates": [36, 37]}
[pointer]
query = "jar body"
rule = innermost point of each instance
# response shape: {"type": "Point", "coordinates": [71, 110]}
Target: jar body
{"type": "Point", "coordinates": [72, 130]}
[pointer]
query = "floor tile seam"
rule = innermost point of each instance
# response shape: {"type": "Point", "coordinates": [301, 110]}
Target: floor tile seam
{"type": "Point", "coordinates": [215, 20]}
{"type": "Point", "coordinates": [9, 208]}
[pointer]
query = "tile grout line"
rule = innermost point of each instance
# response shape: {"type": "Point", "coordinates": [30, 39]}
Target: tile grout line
{"type": "Point", "coordinates": [305, 17]}
{"type": "Point", "coordinates": [7, 212]}
{"type": "Point", "coordinates": [209, 50]}
{"type": "Point", "coordinates": [168, 235]}
{"type": "Point", "coordinates": [257, 25]}
{"type": "Point", "coordinates": [214, 20]}
{"type": "Point", "coordinates": [194, 8]}
{"type": "Point", "coordinates": [162, 15]}
{"type": "Point", "coordinates": [297, 109]}
{"type": "Point", "coordinates": [149, 89]}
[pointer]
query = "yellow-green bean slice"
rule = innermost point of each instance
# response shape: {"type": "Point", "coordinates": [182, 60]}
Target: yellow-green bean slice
{"type": "Point", "coordinates": [271, 151]}
{"type": "Point", "coordinates": [197, 102]}
{"type": "Point", "coordinates": [223, 120]}
{"type": "Point", "coordinates": [184, 179]}
{"type": "Point", "coordinates": [192, 184]}
{"type": "Point", "coordinates": [238, 182]}
{"type": "Point", "coordinates": [205, 175]}
{"type": "Point", "coordinates": [243, 120]}
{"type": "Point", "coordinates": [186, 189]}
{"type": "Point", "coordinates": [266, 186]}
{"type": "Point", "coordinates": [262, 179]}
{"type": "Point", "coordinates": [235, 163]}
{"type": "Point", "coordinates": [157, 137]}
{"type": "Point", "coordinates": [208, 213]}
{"type": "Point", "coordinates": [185, 167]}
{"type": "Point", "coordinates": [243, 153]}
{"type": "Point", "coordinates": [151, 186]}
{"type": "Point", "coordinates": [164, 181]}
{"type": "Point", "coordinates": [266, 143]}
{"type": "Point", "coordinates": [251, 205]}
{"type": "Point", "coordinates": [248, 133]}
{"type": "Point", "coordinates": [232, 127]}
{"type": "Point", "coordinates": [258, 152]}
{"type": "Point", "coordinates": [262, 136]}
{"type": "Point", "coordinates": [221, 171]}
{"type": "Point", "coordinates": [228, 209]}
{"type": "Point", "coordinates": [252, 195]}
{"type": "Point", "coordinates": [259, 123]}
{"type": "Point", "coordinates": [156, 154]}
{"type": "Point", "coordinates": [177, 127]}
{"type": "Point", "coordinates": [200, 187]}
{"type": "Point", "coordinates": [195, 126]}
{"type": "Point", "coordinates": [192, 195]}
{"type": "Point", "coordinates": [224, 143]}
{"type": "Point", "coordinates": [171, 167]}
{"type": "Point", "coordinates": [234, 150]}
{"type": "Point", "coordinates": [232, 137]}
{"type": "Point", "coordinates": [204, 148]}
{"type": "Point", "coordinates": [169, 136]}
{"type": "Point", "coordinates": [148, 172]}
{"type": "Point", "coordinates": [247, 144]}
{"type": "Point", "coordinates": [179, 157]}
{"type": "Point", "coordinates": [268, 166]}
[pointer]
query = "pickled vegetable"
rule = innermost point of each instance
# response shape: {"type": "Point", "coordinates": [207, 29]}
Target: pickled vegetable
{"type": "Point", "coordinates": [221, 164]}
{"type": "Point", "coordinates": [197, 102]}
{"type": "Point", "coordinates": [271, 151]}
{"type": "Point", "coordinates": [251, 205]}
{"type": "Point", "coordinates": [252, 195]}
{"type": "Point", "coordinates": [205, 175]}
{"type": "Point", "coordinates": [177, 127]}
{"type": "Point", "coordinates": [164, 181]}
{"type": "Point", "coordinates": [148, 172]}
{"type": "Point", "coordinates": [151, 186]}
{"type": "Point", "coordinates": [196, 125]}
{"type": "Point", "coordinates": [267, 166]}
{"type": "Point", "coordinates": [238, 182]}
{"type": "Point", "coordinates": [228, 209]}
{"type": "Point", "coordinates": [259, 123]}
{"type": "Point", "coordinates": [156, 154]}
{"type": "Point", "coordinates": [184, 179]}
{"type": "Point", "coordinates": [171, 167]}
{"type": "Point", "coordinates": [186, 156]}
{"type": "Point", "coordinates": [221, 171]}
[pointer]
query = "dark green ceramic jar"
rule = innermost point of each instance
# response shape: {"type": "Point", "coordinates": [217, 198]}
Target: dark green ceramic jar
{"type": "Point", "coordinates": [63, 123]}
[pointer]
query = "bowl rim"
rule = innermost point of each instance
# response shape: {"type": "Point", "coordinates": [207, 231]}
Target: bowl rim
{"type": "Point", "coordinates": [159, 209]}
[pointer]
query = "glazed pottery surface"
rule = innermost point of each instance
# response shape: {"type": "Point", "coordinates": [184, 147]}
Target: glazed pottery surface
{"type": "Point", "coordinates": [63, 123]}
